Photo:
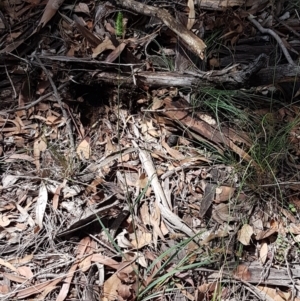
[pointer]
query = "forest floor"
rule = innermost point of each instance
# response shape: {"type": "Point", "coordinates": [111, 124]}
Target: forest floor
{"type": "Point", "coordinates": [149, 150]}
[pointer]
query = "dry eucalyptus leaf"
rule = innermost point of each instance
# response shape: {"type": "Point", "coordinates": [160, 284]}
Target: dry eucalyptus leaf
{"type": "Point", "coordinates": [41, 205]}
{"type": "Point", "coordinates": [157, 103]}
{"type": "Point", "coordinates": [105, 45]}
{"type": "Point", "coordinates": [9, 180]}
{"type": "Point", "coordinates": [263, 253]}
{"type": "Point", "coordinates": [84, 149]}
{"type": "Point", "coordinates": [224, 193]}
{"type": "Point", "coordinates": [115, 53]}
{"type": "Point", "coordinates": [4, 221]}
{"type": "Point", "coordinates": [242, 272]}
{"type": "Point", "coordinates": [50, 10]}
{"type": "Point", "coordinates": [192, 15]}
{"type": "Point", "coordinates": [244, 235]}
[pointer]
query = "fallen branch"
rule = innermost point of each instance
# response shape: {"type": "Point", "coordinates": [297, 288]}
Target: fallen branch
{"type": "Point", "coordinates": [233, 77]}
{"type": "Point", "coordinates": [160, 197]}
{"type": "Point", "coordinates": [189, 38]}
{"type": "Point", "coordinates": [275, 36]}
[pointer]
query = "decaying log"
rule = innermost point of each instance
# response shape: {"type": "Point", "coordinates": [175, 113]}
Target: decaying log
{"type": "Point", "coordinates": [274, 74]}
{"type": "Point", "coordinates": [222, 5]}
{"type": "Point", "coordinates": [253, 274]}
{"type": "Point", "coordinates": [188, 37]}
{"type": "Point", "coordinates": [233, 77]}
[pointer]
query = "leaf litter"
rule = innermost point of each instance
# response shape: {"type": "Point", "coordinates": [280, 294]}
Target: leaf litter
{"type": "Point", "coordinates": [121, 182]}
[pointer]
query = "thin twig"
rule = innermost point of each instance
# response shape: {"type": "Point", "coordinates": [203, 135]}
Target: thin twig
{"type": "Point", "coordinates": [170, 109]}
{"type": "Point", "coordinates": [56, 95]}
{"type": "Point", "coordinates": [32, 104]}
{"type": "Point", "coordinates": [275, 36]}
{"type": "Point", "coordinates": [41, 98]}
{"type": "Point", "coordinates": [12, 85]}
{"type": "Point", "coordinates": [288, 27]}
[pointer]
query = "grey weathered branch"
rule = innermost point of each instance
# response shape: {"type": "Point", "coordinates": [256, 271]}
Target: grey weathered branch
{"type": "Point", "coordinates": [189, 38]}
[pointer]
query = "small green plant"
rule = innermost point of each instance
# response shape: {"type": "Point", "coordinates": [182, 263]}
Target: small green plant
{"type": "Point", "coordinates": [292, 208]}
{"type": "Point", "coordinates": [119, 25]}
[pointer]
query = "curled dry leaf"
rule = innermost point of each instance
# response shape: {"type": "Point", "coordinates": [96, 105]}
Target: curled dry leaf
{"type": "Point", "coordinates": [4, 221]}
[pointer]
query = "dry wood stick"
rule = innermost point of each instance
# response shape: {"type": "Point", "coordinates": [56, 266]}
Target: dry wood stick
{"type": "Point", "coordinates": [275, 36]}
{"type": "Point", "coordinates": [160, 197]}
{"type": "Point", "coordinates": [190, 39]}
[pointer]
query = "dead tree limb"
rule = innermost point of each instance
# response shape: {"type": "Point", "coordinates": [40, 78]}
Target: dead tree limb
{"type": "Point", "coordinates": [189, 38]}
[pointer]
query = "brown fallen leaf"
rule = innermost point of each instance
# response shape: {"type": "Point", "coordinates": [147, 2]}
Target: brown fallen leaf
{"type": "Point", "coordinates": [41, 204]}
{"type": "Point", "coordinates": [7, 264]}
{"type": "Point", "coordinates": [260, 234]}
{"type": "Point", "coordinates": [4, 221]}
{"type": "Point", "coordinates": [224, 193]}
{"type": "Point", "coordinates": [105, 45]}
{"type": "Point", "coordinates": [242, 272]}
{"type": "Point", "coordinates": [173, 152]}
{"type": "Point", "coordinates": [14, 277]}
{"type": "Point", "coordinates": [141, 239]}
{"type": "Point", "coordinates": [115, 53]}
{"type": "Point", "coordinates": [110, 288]}
{"type": "Point", "coordinates": [245, 234]}
{"type": "Point", "coordinates": [23, 260]}
{"type": "Point", "coordinates": [84, 149]}
{"type": "Point", "coordinates": [89, 36]}
{"type": "Point", "coordinates": [192, 15]}
{"type": "Point", "coordinates": [37, 288]}
{"type": "Point", "coordinates": [83, 244]}
{"type": "Point", "coordinates": [50, 10]}
{"type": "Point", "coordinates": [25, 271]}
